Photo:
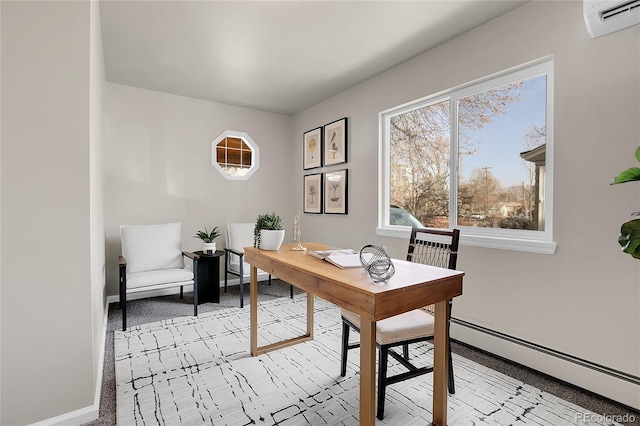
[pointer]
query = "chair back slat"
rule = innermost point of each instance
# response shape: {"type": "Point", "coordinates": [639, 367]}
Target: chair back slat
{"type": "Point", "coordinates": [434, 247]}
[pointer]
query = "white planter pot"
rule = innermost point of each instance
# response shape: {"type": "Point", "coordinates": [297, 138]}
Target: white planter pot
{"type": "Point", "coordinates": [209, 248]}
{"type": "Point", "coordinates": [271, 240]}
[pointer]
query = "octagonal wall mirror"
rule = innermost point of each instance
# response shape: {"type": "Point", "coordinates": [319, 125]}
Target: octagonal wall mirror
{"type": "Point", "coordinates": [235, 155]}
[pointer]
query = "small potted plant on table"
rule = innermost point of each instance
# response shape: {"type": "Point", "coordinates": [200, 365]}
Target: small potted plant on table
{"type": "Point", "coordinates": [268, 233]}
{"type": "Point", "coordinates": [208, 243]}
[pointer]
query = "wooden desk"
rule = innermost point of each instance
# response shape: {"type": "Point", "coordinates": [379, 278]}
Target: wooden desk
{"type": "Point", "coordinates": [413, 286]}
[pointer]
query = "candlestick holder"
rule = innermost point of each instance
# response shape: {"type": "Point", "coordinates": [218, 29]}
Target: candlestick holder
{"type": "Point", "coordinates": [297, 231]}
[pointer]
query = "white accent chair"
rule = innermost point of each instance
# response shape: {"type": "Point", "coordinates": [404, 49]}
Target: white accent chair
{"type": "Point", "coordinates": [239, 236]}
{"type": "Point", "coordinates": [152, 259]}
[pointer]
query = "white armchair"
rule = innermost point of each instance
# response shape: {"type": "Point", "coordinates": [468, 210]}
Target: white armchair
{"type": "Point", "coordinates": [152, 259]}
{"type": "Point", "coordinates": [239, 236]}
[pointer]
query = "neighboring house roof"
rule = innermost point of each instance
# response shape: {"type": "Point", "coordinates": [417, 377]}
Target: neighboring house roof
{"type": "Point", "coordinates": [536, 155]}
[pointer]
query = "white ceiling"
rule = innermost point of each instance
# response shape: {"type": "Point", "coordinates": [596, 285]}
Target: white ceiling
{"type": "Point", "coordinates": [279, 56]}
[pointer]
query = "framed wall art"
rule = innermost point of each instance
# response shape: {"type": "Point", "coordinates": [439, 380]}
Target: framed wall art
{"type": "Point", "coordinates": [313, 193]}
{"type": "Point", "coordinates": [335, 142]}
{"type": "Point", "coordinates": [335, 191]}
{"type": "Point", "coordinates": [312, 149]}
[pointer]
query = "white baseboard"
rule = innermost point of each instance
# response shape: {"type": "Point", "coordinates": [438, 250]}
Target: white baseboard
{"type": "Point", "coordinates": [74, 418]}
{"type": "Point", "coordinates": [176, 290]}
{"type": "Point", "coordinates": [92, 412]}
{"type": "Point", "coordinates": [623, 388]}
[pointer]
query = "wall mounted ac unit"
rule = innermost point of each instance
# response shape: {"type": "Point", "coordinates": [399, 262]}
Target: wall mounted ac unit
{"type": "Point", "coordinates": [606, 16]}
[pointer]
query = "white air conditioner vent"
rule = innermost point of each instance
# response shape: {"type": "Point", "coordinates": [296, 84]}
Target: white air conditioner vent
{"type": "Point", "coordinates": [607, 16]}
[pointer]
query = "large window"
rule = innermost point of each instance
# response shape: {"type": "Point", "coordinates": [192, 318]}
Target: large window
{"type": "Point", "coordinates": [478, 158]}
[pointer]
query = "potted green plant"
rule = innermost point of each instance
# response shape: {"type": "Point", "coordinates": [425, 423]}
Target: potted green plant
{"type": "Point", "coordinates": [630, 231]}
{"type": "Point", "coordinates": [268, 233]}
{"type": "Point", "coordinates": [208, 243]}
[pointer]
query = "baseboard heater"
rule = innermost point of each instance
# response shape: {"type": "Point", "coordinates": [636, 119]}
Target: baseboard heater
{"type": "Point", "coordinates": [567, 357]}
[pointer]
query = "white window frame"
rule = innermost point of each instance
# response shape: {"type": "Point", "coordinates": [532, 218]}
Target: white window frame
{"type": "Point", "coordinates": [496, 238]}
{"type": "Point", "coordinates": [255, 157]}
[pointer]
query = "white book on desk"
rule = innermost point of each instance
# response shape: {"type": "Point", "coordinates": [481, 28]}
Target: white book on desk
{"type": "Point", "coordinates": [342, 258]}
{"type": "Point", "coordinates": [345, 261]}
{"type": "Point", "coordinates": [322, 254]}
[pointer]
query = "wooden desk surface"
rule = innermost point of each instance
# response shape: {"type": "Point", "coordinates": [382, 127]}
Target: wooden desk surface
{"type": "Point", "coordinates": [412, 286]}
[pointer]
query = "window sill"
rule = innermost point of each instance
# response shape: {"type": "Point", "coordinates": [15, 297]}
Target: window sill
{"type": "Point", "coordinates": [500, 243]}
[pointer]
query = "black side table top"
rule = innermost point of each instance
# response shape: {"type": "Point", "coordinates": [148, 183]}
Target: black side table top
{"type": "Point", "coordinates": [217, 253]}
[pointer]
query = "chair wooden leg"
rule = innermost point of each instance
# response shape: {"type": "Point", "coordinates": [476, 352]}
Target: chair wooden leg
{"type": "Point", "coordinates": [382, 379]}
{"type": "Point", "coordinates": [452, 384]}
{"type": "Point", "coordinates": [123, 298]}
{"type": "Point", "coordinates": [123, 306]}
{"type": "Point", "coordinates": [225, 279]}
{"type": "Point", "coordinates": [290, 291]}
{"type": "Point", "coordinates": [269, 279]}
{"type": "Point", "coordinates": [124, 315]}
{"type": "Point", "coordinates": [241, 285]}
{"type": "Point", "coordinates": [195, 288]}
{"type": "Point", "coordinates": [405, 351]}
{"type": "Point", "coordinates": [345, 348]}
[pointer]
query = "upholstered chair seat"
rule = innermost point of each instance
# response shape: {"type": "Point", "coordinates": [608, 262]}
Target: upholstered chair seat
{"type": "Point", "coordinates": [234, 266]}
{"type": "Point", "coordinates": [400, 328]}
{"type": "Point", "coordinates": [156, 279]}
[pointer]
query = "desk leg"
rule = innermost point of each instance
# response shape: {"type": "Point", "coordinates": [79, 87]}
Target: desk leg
{"type": "Point", "coordinates": [253, 322]}
{"type": "Point", "coordinates": [440, 364]}
{"type": "Point", "coordinates": [367, 371]}
{"type": "Point", "coordinates": [310, 313]}
{"type": "Point", "coordinates": [253, 311]}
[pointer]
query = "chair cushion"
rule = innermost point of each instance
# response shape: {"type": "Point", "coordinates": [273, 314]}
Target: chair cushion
{"type": "Point", "coordinates": [151, 247]}
{"type": "Point", "coordinates": [406, 326]}
{"type": "Point", "coordinates": [235, 267]}
{"type": "Point", "coordinates": [160, 278]}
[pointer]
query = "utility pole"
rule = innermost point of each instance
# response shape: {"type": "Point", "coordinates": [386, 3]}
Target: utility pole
{"type": "Point", "coordinates": [486, 190]}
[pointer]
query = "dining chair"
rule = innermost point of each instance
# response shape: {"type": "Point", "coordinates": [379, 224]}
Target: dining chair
{"type": "Point", "coordinates": [430, 247]}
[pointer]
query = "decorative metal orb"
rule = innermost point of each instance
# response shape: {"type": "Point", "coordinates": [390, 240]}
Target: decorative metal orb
{"type": "Point", "coordinates": [377, 263]}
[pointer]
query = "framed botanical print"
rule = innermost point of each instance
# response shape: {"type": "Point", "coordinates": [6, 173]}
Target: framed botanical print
{"type": "Point", "coordinates": [312, 149]}
{"type": "Point", "coordinates": [335, 191]}
{"type": "Point", "coordinates": [335, 142]}
{"type": "Point", "coordinates": [313, 193]}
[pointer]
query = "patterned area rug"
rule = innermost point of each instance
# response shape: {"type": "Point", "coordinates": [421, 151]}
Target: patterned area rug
{"type": "Point", "coordinates": [196, 371]}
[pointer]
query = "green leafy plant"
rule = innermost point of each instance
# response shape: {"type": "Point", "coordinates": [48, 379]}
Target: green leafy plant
{"type": "Point", "coordinates": [269, 221]}
{"type": "Point", "coordinates": [630, 231]}
{"type": "Point", "coordinates": [207, 236]}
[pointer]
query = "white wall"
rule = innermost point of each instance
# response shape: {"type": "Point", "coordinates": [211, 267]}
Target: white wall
{"type": "Point", "coordinates": [96, 200]}
{"type": "Point", "coordinates": [49, 141]}
{"type": "Point", "coordinates": [0, 210]}
{"type": "Point", "coordinates": [585, 299]}
{"type": "Point", "coordinates": [158, 167]}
